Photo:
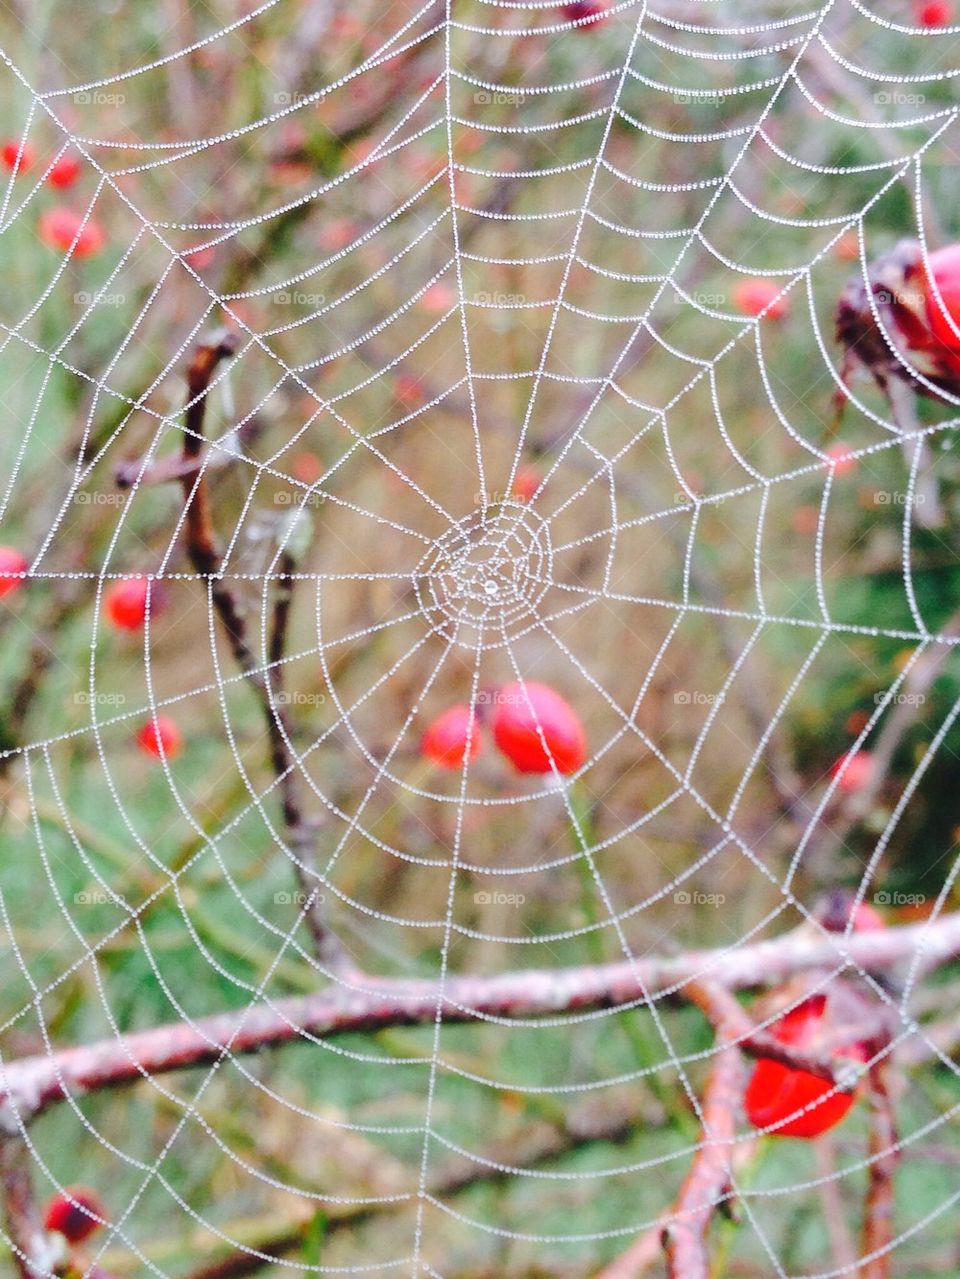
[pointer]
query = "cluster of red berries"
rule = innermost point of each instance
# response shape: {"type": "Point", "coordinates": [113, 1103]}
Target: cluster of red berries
{"type": "Point", "coordinates": [61, 227]}
{"type": "Point", "coordinates": [533, 726]}
{"type": "Point", "coordinates": [75, 1213]}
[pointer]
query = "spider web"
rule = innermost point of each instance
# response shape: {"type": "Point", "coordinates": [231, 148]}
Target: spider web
{"type": "Point", "coordinates": [529, 259]}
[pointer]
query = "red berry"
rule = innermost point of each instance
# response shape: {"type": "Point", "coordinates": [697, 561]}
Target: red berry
{"type": "Point", "coordinates": [857, 772]}
{"type": "Point", "coordinates": [408, 391]}
{"type": "Point", "coordinates": [936, 13]}
{"type": "Point", "coordinates": [581, 10]}
{"type": "Point", "coordinates": [451, 736]}
{"type": "Point", "coordinates": [125, 602]}
{"type": "Point", "coordinates": [867, 919]}
{"type": "Point", "coordinates": [13, 151]}
{"type": "Point", "coordinates": [160, 736]}
{"type": "Point", "coordinates": [12, 564]}
{"type": "Point", "coordinates": [75, 1214]}
{"type": "Point", "coordinates": [306, 467]}
{"type": "Point", "coordinates": [945, 270]}
{"type": "Point", "coordinates": [61, 227]}
{"type": "Point", "coordinates": [441, 296]}
{"type": "Point", "coordinates": [525, 483]}
{"type": "Point", "coordinates": [776, 1092]}
{"type": "Point", "coordinates": [538, 730]}
{"type": "Point", "coordinates": [66, 169]}
{"type": "Point", "coordinates": [756, 297]}
{"type": "Point", "coordinates": [842, 459]}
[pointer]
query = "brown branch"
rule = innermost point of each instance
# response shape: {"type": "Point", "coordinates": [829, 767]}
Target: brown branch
{"type": "Point", "coordinates": [706, 1186]}
{"type": "Point", "coordinates": [878, 1226]}
{"type": "Point", "coordinates": [34, 1254]}
{"type": "Point", "coordinates": [205, 557]}
{"type": "Point", "coordinates": [30, 1085]}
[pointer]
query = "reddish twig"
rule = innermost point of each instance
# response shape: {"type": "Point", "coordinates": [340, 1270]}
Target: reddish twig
{"type": "Point", "coordinates": [707, 1184]}
{"type": "Point", "coordinates": [878, 1228]}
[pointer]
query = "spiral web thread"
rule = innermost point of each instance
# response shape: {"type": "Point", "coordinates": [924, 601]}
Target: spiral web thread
{"type": "Point", "coordinates": [489, 574]}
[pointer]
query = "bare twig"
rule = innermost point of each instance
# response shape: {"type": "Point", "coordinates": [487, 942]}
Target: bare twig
{"type": "Point", "coordinates": [34, 1254]}
{"type": "Point", "coordinates": [205, 557]}
{"type": "Point", "coordinates": [707, 1184]}
{"type": "Point", "coordinates": [361, 1004]}
{"type": "Point", "coordinates": [878, 1228]}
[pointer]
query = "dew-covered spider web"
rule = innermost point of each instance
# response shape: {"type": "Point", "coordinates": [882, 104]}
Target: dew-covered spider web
{"type": "Point", "coordinates": [499, 409]}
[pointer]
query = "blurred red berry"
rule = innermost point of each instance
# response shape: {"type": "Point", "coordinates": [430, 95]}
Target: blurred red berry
{"type": "Point", "coordinates": [842, 460]}
{"type": "Point", "coordinates": [847, 247]}
{"type": "Point", "coordinates": [525, 483]}
{"type": "Point", "coordinates": [935, 13]}
{"type": "Point", "coordinates": [160, 736]}
{"type": "Point", "coordinates": [66, 169]}
{"type": "Point", "coordinates": [760, 297]}
{"type": "Point", "coordinates": [61, 227]}
{"type": "Point", "coordinates": [17, 155]}
{"type": "Point", "coordinates": [12, 564]}
{"type": "Point", "coordinates": [582, 10]}
{"type": "Point", "coordinates": [125, 602]}
{"type": "Point", "coordinates": [857, 772]}
{"type": "Point", "coordinates": [75, 1214]}
{"type": "Point", "coordinates": [306, 467]}
{"type": "Point", "coordinates": [867, 919]}
{"type": "Point", "coordinates": [439, 297]}
{"type": "Point", "coordinates": [805, 519]}
{"type": "Point", "coordinates": [776, 1092]}
{"type": "Point", "coordinates": [451, 737]}
{"type": "Point", "coordinates": [408, 390]}
{"type": "Point", "coordinates": [538, 729]}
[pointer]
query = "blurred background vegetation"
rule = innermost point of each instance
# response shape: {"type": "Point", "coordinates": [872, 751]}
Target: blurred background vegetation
{"type": "Point", "coordinates": [290, 178]}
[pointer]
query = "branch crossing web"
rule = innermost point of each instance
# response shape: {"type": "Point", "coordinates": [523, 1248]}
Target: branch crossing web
{"type": "Point", "coordinates": [499, 409]}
